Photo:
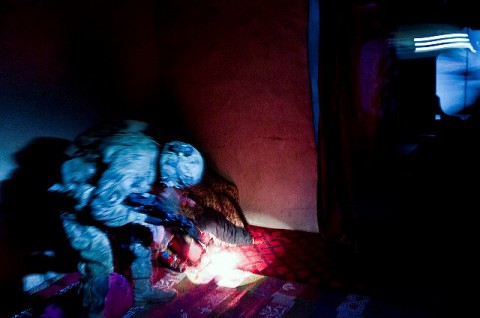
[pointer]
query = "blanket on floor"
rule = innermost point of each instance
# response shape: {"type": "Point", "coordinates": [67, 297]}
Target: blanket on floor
{"type": "Point", "coordinates": [234, 294]}
{"type": "Point", "coordinates": [237, 293]}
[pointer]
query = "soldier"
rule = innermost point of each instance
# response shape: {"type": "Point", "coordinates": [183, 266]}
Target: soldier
{"type": "Point", "coordinates": [111, 163]}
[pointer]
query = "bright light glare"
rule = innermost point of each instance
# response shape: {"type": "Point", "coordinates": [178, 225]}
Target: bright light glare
{"type": "Point", "coordinates": [429, 40]}
{"type": "Point", "coordinates": [222, 262]}
{"type": "Point", "coordinates": [221, 267]}
{"type": "Point", "coordinates": [446, 46]}
{"type": "Point", "coordinates": [443, 41]}
{"type": "Point", "coordinates": [441, 36]}
{"type": "Point", "coordinates": [232, 278]}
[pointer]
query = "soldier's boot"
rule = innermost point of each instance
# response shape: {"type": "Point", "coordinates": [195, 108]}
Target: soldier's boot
{"type": "Point", "coordinates": [142, 272]}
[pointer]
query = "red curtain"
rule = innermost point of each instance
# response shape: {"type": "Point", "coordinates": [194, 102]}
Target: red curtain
{"type": "Point", "coordinates": [353, 61]}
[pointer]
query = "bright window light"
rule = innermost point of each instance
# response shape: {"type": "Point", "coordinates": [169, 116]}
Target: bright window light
{"type": "Point", "coordinates": [443, 41]}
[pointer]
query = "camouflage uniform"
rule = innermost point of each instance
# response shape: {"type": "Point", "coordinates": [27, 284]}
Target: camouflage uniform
{"type": "Point", "coordinates": [109, 164]}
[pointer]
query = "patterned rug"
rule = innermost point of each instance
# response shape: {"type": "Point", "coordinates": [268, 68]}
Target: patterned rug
{"type": "Point", "coordinates": [295, 256]}
{"type": "Point", "coordinates": [237, 293]}
{"type": "Point", "coordinates": [283, 274]}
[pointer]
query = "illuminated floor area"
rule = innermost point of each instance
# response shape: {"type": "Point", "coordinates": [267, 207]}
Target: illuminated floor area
{"type": "Point", "coordinates": [393, 276]}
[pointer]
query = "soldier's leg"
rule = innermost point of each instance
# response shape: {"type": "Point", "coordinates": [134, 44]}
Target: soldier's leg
{"type": "Point", "coordinates": [142, 272]}
{"type": "Point", "coordinates": [95, 266]}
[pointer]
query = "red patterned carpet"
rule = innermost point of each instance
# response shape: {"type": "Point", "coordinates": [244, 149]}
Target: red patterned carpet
{"type": "Point", "coordinates": [290, 255]}
{"type": "Point", "coordinates": [242, 294]}
{"type": "Point", "coordinates": [293, 271]}
{"type": "Point", "coordinates": [293, 256]}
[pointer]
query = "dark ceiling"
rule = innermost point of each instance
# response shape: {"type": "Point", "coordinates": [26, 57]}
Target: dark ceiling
{"type": "Point", "coordinates": [458, 12]}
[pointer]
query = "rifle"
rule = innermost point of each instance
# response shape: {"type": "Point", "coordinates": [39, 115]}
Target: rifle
{"type": "Point", "coordinates": [166, 212]}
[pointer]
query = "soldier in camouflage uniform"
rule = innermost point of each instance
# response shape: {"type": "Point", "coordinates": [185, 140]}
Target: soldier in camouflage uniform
{"type": "Point", "coordinates": [110, 163]}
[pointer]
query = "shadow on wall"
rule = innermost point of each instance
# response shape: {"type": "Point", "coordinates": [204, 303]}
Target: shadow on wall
{"type": "Point", "coordinates": [32, 236]}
